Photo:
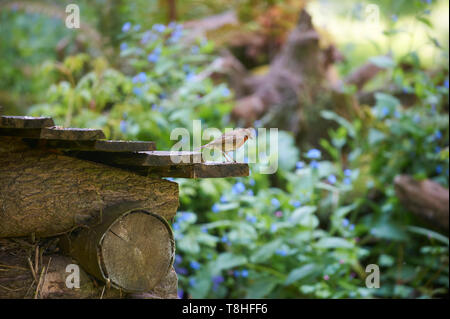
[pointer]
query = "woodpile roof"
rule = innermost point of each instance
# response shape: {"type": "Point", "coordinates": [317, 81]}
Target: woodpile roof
{"type": "Point", "coordinates": [140, 157]}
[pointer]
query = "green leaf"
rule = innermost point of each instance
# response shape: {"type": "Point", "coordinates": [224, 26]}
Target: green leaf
{"type": "Point", "coordinates": [334, 242]}
{"type": "Point", "coordinates": [300, 273]}
{"type": "Point", "coordinates": [228, 260]}
{"type": "Point", "coordinates": [261, 287]}
{"type": "Point", "coordinates": [383, 61]}
{"type": "Point", "coordinates": [428, 233]}
{"type": "Point", "coordinates": [266, 251]}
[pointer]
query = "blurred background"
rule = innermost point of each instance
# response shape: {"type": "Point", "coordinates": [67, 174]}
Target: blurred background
{"type": "Point", "coordinates": [358, 90]}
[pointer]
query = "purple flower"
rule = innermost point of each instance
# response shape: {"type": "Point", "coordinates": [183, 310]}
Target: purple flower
{"type": "Point", "coordinates": [126, 27]}
{"type": "Point", "coordinates": [279, 214]}
{"type": "Point", "coordinates": [313, 153]}
{"type": "Point", "coordinates": [218, 279]}
{"type": "Point", "coordinates": [194, 265]}
{"type": "Point", "coordinates": [332, 179]}
{"type": "Point", "coordinates": [326, 277]}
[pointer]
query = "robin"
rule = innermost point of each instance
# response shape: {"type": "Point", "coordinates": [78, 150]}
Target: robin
{"type": "Point", "coordinates": [230, 141]}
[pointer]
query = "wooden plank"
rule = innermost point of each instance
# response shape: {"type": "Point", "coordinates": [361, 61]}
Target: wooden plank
{"type": "Point", "coordinates": [151, 158]}
{"type": "Point", "coordinates": [54, 133]}
{"type": "Point", "coordinates": [71, 134]}
{"type": "Point", "coordinates": [98, 145]}
{"type": "Point", "coordinates": [25, 122]}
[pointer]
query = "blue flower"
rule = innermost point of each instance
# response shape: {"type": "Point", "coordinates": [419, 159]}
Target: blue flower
{"type": "Point", "coordinates": [152, 58]}
{"type": "Point", "coordinates": [190, 76]}
{"type": "Point", "coordinates": [223, 199]}
{"type": "Point", "coordinates": [159, 27]}
{"type": "Point", "coordinates": [416, 119]}
{"type": "Point", "coordinates": [332, 179]}
{"type": "Point", "coordinates": [345, 222]}
{"type": "Point", "coordinates": [180, 293]}
{"type": "Point", "coordinates": [244, 273]}
{"type": "Point", "coordinates": [178, 259]}
{"type": "Point", "coordinates": [123, 46]}
{"type": "Point", "coordinates": [251, 182]}
{"type": "Point", "coordinates": [192, 282]}
{"type": "Point", "coordinates": [142, 77]}
{"type": "Point", "coordinates": [437, 135]}
{"type": "Point", "coordinates": [194, 265]}
{"type": "Point", "coordinates": [351, 227]}
{"type": "Point", "coordinates": [251, 219]}
{"type": "Point", "coordinates": [123, 126]}
{"type": "Point", "coordinates": [348, 172]}
{"type": "Point", "coordinates": [238, 188]}
{"type": "Point", "coordinates": [181, 270]}
{"type": "Point", "coordinates": [237, 273]}
{"type": "Point", "coordinates": [215, 208]}
{"type": "Point", "coordinates": [313, 153]}
{"type": "Point", "coordinates": [195, 49]}
{"type": "Point", "coordinates": [225, 239]}
{"type": "Point", "coordinates": [204, 229]}
{"type": "Point", "coordinates": [385, 111]}
{"type": "Point", "coordinates": [281, 252]}
{"type": "Point", "coordinates": [314, 164]}
{"type": "Point", "coordinates": [300, 165]}
{"type": "Point", "coordinates": [273, 228]}
{"type": "Point", "coordinates": [446, 84]}
{"type": "Point", "coordinates": [162, 96]}
{"type": "Point", "coordinates": [275, 202]}
{"type": "Point", "coordinates": [439, 169]}
{"type": "Point", "coordinates": [176, 226]}
{"type": "Point", "coordinates": [126, 27]}
{"type": "Point", "coordinates": [347, 181]}
{"type": "Point", "coordinates": [147, 37]}
{"type": "Point", "coordinates": [296, 203]}
{"type": "Point", "coordinates": [137, 27]}
{"type": "Point", "coordinates": [218, 279]}
{"type": "Point", "coordinates": [437, 149]}
{"type": "Point", "coordinates": [225, 92]}
{"type": "Point", "coordinates": [250, 192]}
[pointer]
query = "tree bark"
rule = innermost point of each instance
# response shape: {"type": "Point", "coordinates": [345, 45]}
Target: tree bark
{"type": "Point", "coordinates": [426, 199]}
{"type": "Point", "coordinates": [47, 193]}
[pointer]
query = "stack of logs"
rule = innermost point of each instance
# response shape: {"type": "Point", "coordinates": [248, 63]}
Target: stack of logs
{"type": "Point", "coordinates": [73, 204]}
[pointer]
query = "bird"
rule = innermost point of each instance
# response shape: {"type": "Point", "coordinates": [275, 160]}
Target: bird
{"type": "Point", "coordinates": [230, 141]}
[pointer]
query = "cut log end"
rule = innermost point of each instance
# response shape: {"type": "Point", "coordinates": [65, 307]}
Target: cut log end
{"type": "Point", "coordinates": [137, 251]}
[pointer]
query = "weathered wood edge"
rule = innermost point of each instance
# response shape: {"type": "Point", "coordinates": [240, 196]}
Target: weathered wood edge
{"type": "Point", "coordinates": [94, 145]}
{"type": "Point", "coordinates": [25, 122]}
{"type": "Point", "coordinates": [54, 133]}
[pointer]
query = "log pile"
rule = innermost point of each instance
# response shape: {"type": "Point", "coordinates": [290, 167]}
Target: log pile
{"type": "Point", "coordinates": [68, 196]}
